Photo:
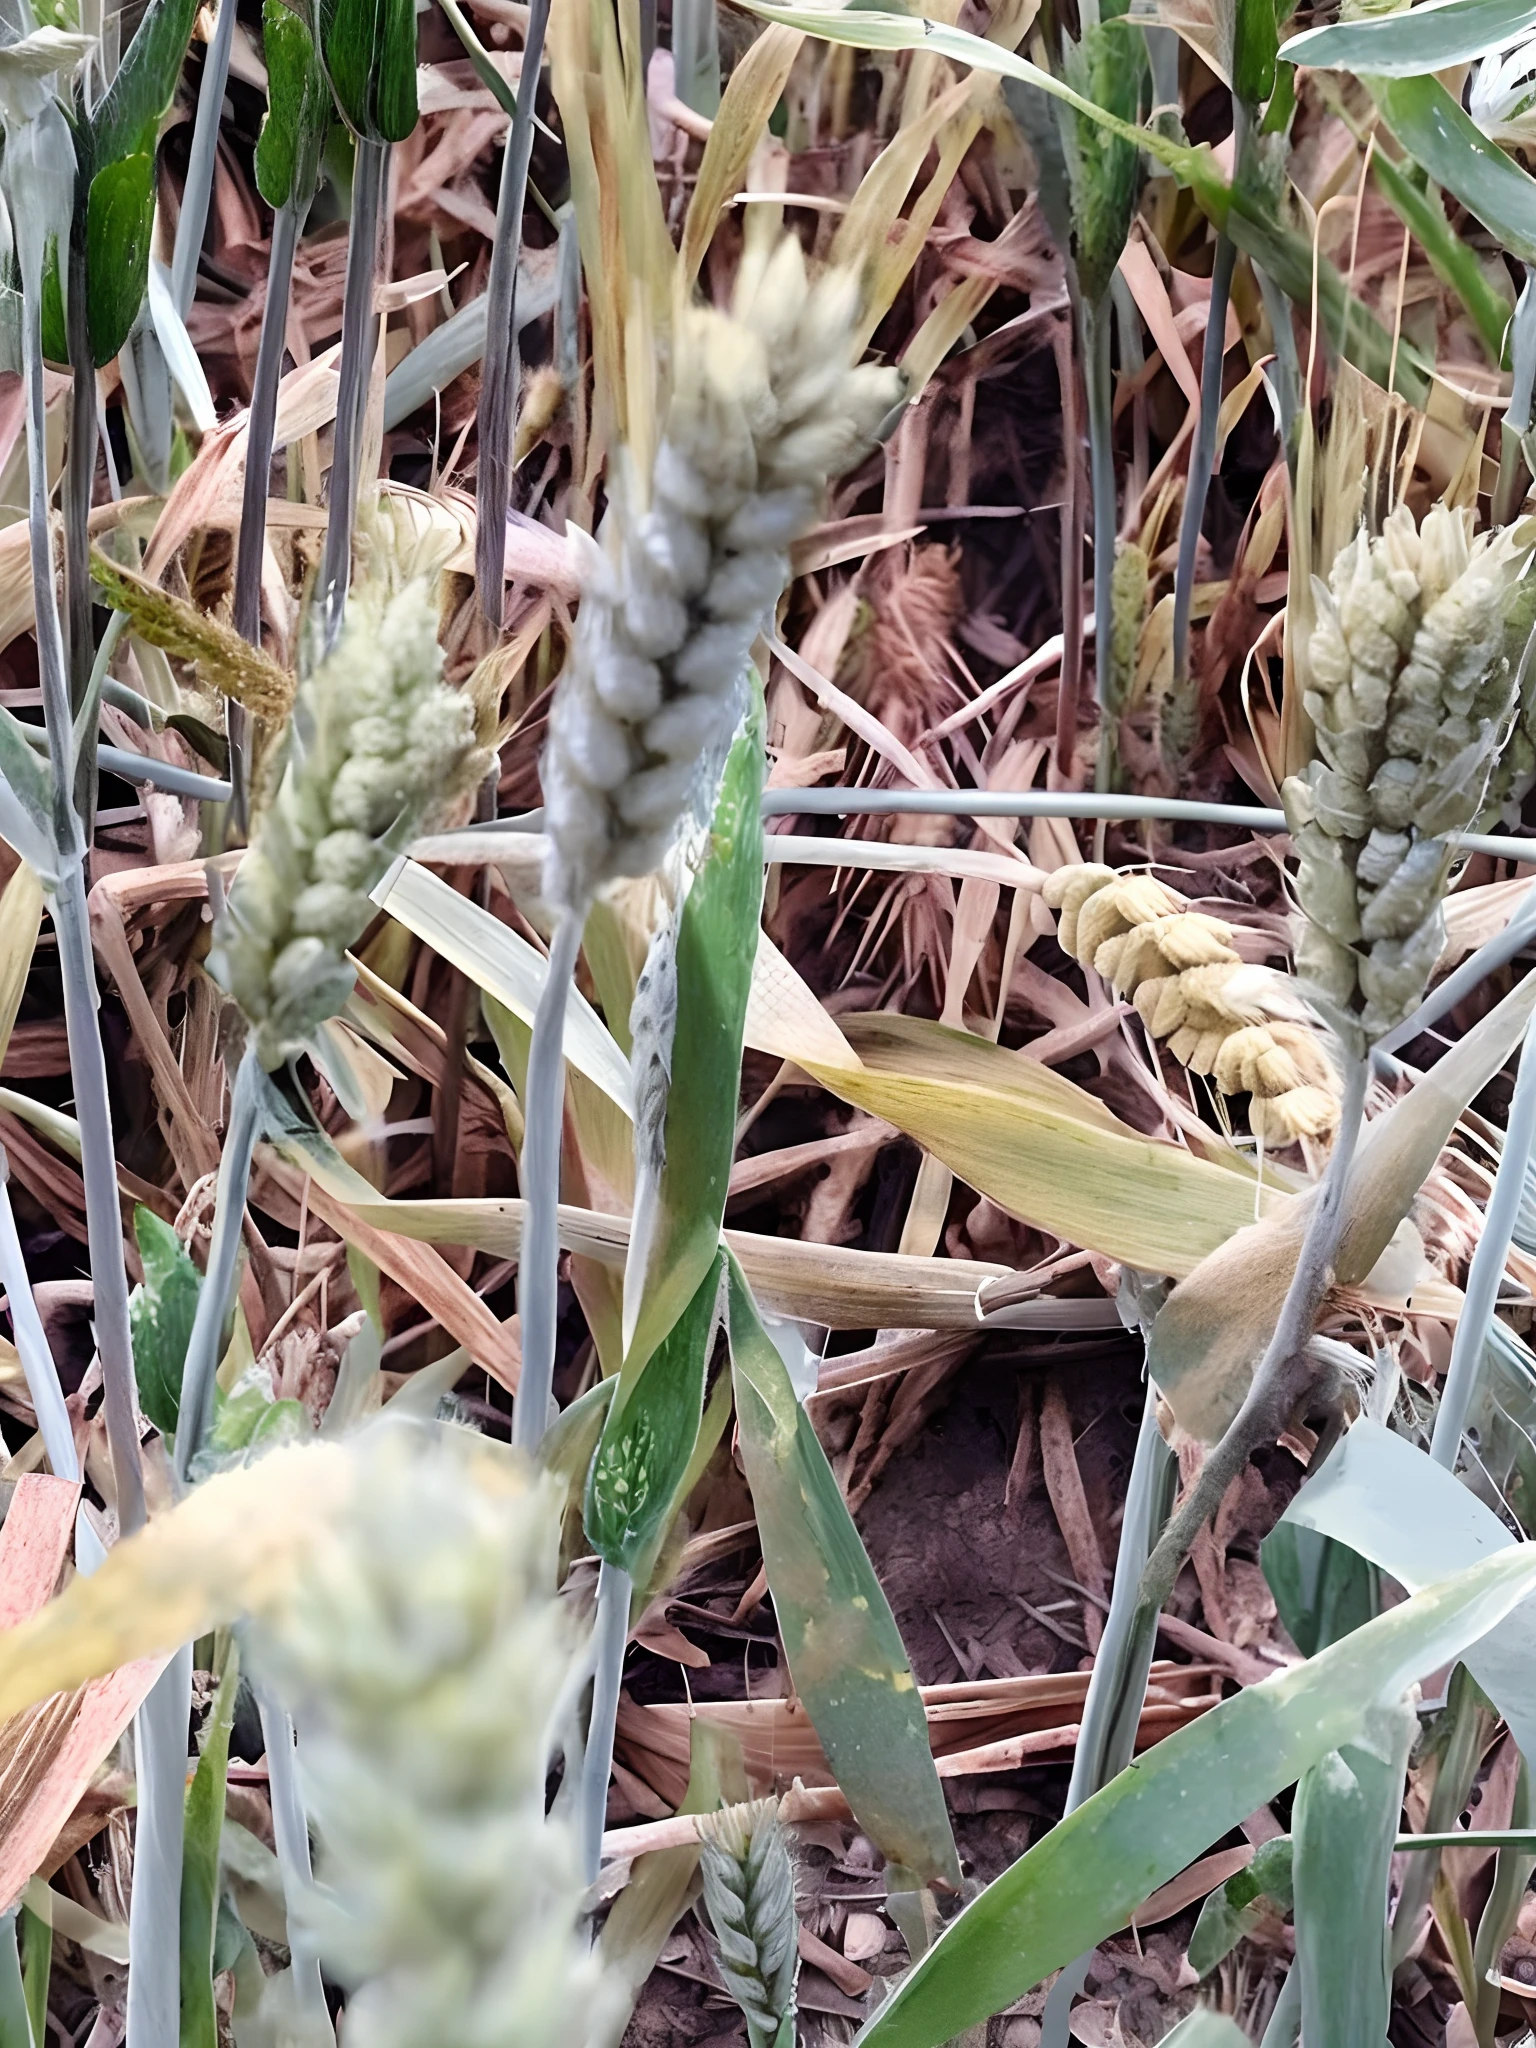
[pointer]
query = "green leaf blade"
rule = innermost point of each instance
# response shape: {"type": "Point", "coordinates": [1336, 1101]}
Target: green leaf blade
{"type": "Point", "coordinates": [1345, 1822]}
{"type": "Point", "coordinates": [292, 136]}
{"type": "Point", "coordinates": [1412, 44]}
{"type": "Point", "coordinates": [200, 1883]}
{"type": "Point", "coordinates": [844, 1649]}
{"type": "Point", "coordinates": [119, 226]}
{"type": "Point", "coordinates": [650, 1432]}
{"type": "Point", "coordinates": [1446, 141]}
{"type": "Point", "coordinates": [1086, 1877]}
{"type": "Point", "coordinates": [160, 1314]}
{"type": "Point", "coordinates": [716, 946]}
{"type": "Point", "coordinates": [126, 122]}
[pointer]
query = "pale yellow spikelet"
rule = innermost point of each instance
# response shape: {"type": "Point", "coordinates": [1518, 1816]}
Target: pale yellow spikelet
{"type": "Point", "coordinates": [1191, 939]}
{"type": "Point", "coordinates": [1298, 1113]}
{"type": "Point", "coordinates": [1067, 890]}
{"type": "Point", "coordinates": [1127, 901]}
{"type": "Point", "coordinates": [1216, 1013]}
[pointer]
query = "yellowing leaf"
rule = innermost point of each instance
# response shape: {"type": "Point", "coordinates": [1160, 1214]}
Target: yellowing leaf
{"type": "Point", "coordinates": [1042, 1148]}
{"type": "Point", "coordinates": [228, 1549]}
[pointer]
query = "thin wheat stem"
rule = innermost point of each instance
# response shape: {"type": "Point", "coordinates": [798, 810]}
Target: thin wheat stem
{"type": "Point", "coordinates": [77, 971]}
{"type": "Point", "coordinates": [290, 1833]}
{"type": "Point", "coordinates": [147, 773]}
{"type": "Point", "coordinates": [32, 1345]}
{"type": "Point", "coordinates": [538, 1270]}
{"type": "Point", "coordinates": [286, 225]}
{"type": "Point", "coordinates": [359, 330]}
{"type": "Point", "coordinates": [192, 221]}
{"type": "Point", "coordinates": [79, 477]}
{"type": "Point", "coordinates": [1097, 328]}
{"type": "Point", "coordinates": [154, 1911]}
{"type": "Point", "coordinates": [195, 1416]}
{"type": "Point", "coordinates": [1514, 471]}
{"type": "Point", "coordinates": [1112, 1711]}
{"type": "Point", "coordinates": [1008, 803]}
{"type": "Point", "coordinates": [1202, 459]}
{"type": "Point", "coordinates": [1039, 803]}
{"type": "Point", "coordinates": [1487, 1268]}
{"type": "Point", "coordinates": [614, 1589]}
{"type": "Point", "coordinates": [1459, 1738]}
{"type": "Point", "coordinates": [103, 1217]}
{"type": "Point", "coordinates": [498, 392]}
{"type": "Point", "coordinates": [1283, 1374]}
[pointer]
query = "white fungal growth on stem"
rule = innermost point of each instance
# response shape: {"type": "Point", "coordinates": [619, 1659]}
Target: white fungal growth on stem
{"type": "Point", "coordinates": [377, 745]}
{"type": "Point", "coordinates": [429, 1666]}
{"type": "Point", "coordinates": [767, 404]}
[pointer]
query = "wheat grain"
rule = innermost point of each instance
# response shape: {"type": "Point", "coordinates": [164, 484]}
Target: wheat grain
{"type": "Point", "coordinates": [1220, 1016]}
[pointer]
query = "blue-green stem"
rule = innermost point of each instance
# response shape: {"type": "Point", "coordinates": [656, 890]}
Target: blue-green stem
{"type": "Point", "coordinates": [359, 336]}
{"type": "Point", "coordinates": [15, 2022]}
{"type": "Point", "coordinates": [1284, 374]}
{"type": "Point", "coordinates": [696, 55]}
{"type": "Point", "coordinates": [250, 549]}
{"type": "Point", "coordinates": [199, 1373]}
{"type": "Point", "coordinates": [32, 1345]}
{"type": "Point", "coordinates": [192, 222]}
{"type": "Point", "coordinates": [71, 918]}
{"type": "Point", "coordinates": [498, 391]}
{"type": "Point", "coordinates": [1202, 458]}
{"type": "Point", "coordinates": [1460, 1735]}
{"type": "Point", "coordinates": [290, 1834]}
{"type": "Point", "coordinates": [145, 772]}
{"type": "Point", "coordinates": [1112, 1711]}
{"type": "Point", "coordinates": [614, 1589]}
{"type": "Point", "coordinates": [539, 1265]}
{"type": "Point", "coordinates": [154, 1913]}
{"type": "Point", "coordinates": [1513, 468]}
{"type": "Point", "coordinates": [1487, 1268]}
{"type": "Point", "coordinates": [1097, 329]}
{"type": "Point", "coordinates": [1511, 1875]}
{"type": "Point", "coordinates": [1274, 1387]}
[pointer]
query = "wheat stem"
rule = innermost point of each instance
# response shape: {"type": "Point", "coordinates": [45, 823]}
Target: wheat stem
{"type": "Point", "coordinates": [359, 330]}
{"type": "Point", "coordinates": [498, 391]}
{"type": "Point", "coordinates": [1283, 1374]}
{"type": "Point", "coordinates": [1101, 460]}
{"type": "Point", "coordinates": [77, 971]}
{"type": "Point", "coordinates": [251, 544]}
{"type": "Point", "coordinates": [290, 1834]}
{"type": "Point", "coordinates": [1487, 1268]}
{"type": "Point", "coordinates": [1112, 1711]}
{"type": "Point", "coordinates": [154, 1912]}
{"type": "Point", "coordinates": [1202, 459]}
{"type": "Point", "coordinates": [32, 1345]}
{"type": "Point", "coordinates": [614, 1589]}
{"type": "Point", "coordinates": [538, 1270]}
{"type": "Point", "coordinates": [198, 1374]}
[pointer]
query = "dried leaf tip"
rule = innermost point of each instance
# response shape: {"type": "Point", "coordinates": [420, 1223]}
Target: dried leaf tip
{"type": "Point", "coordinates": [749, 1890]}
{"type": "Point", "coordinates": [1220, 1016]}
{"type": "Point", "coordinates": [377, 746]}
{"type": "Point", "coordinates": [1411, 699]}
{"type": "Point", "coordinates": [767, 404]}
